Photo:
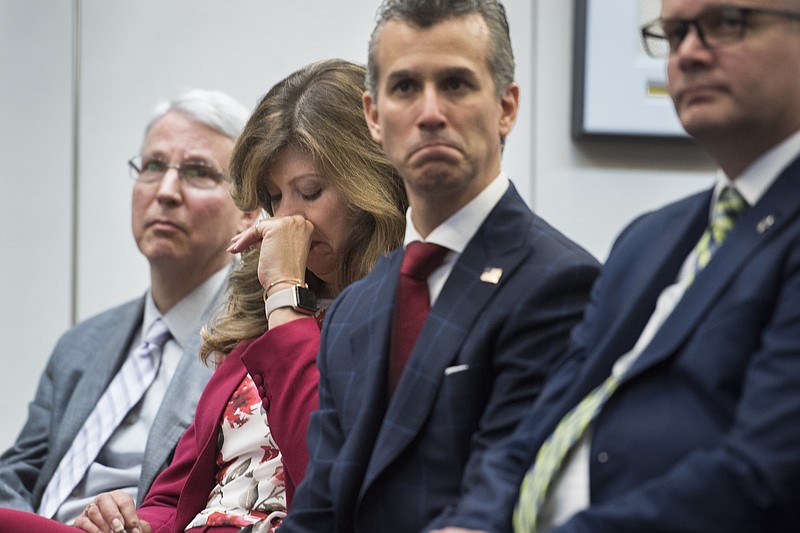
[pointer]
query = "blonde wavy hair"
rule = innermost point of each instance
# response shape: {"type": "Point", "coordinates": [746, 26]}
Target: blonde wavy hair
{"type": "Point", "coordinates": [318, 110]}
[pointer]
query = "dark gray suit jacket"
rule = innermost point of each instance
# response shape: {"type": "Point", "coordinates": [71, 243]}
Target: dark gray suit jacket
{"type": "Point", "coordinates": [83, 363]}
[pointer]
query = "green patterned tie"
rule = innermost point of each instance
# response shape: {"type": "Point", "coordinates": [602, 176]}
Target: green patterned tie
{"type": "Point", "coordinates": [536, 484]}
{"type": "Point", "coordinates": [729, 206]}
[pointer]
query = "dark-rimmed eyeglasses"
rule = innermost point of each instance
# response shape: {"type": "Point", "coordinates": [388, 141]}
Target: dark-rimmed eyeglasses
{"type": "Point", "coordinates": [197, 175]}
{"type": "Point", "coordinates": [718, 25]}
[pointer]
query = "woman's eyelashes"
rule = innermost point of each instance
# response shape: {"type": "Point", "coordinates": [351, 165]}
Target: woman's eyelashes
{"type": "Point", "coordinates": [274, 201]}
{"type": "Point", "coordinates": [313, 195]}
{"type": "Point", "coordinates": [308, 195]}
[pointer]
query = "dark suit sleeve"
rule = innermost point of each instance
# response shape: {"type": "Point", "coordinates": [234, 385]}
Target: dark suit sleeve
{"type": "Point", "coordinates": [21, 464]}
{"type": "Point", "coordinates": [531, 345]}
{"type": "Point", "coordinates": [24, 468]}
{"type": "Point", "coordinates": [312, 509]}
{"type": "Point", "coordinates": [494, 487]}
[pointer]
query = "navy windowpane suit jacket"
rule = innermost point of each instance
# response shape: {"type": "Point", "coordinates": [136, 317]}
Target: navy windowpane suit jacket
{"type": "Point", "coordinates": [479, 362]}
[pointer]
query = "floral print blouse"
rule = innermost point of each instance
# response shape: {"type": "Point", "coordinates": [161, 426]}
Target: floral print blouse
{"type": "Point", "coordinates": [250, 487]}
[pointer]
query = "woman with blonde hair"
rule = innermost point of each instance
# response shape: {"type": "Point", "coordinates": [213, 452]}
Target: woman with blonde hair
{"type": "Point", "coordinates": [335, 204]}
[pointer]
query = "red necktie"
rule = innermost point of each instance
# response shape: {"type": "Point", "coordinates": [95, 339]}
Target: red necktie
{"type": "Point", "coordinates": [412, 303]}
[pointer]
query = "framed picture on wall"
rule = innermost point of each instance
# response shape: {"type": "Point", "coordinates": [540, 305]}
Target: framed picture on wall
{"type": "Point", "coordinates": [617, 88]}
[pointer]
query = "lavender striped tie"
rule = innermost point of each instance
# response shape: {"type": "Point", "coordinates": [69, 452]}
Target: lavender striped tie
{"type": "Point", "coordinates": [124, 392]}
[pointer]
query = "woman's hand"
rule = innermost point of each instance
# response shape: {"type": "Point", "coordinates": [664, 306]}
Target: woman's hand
{"type": "Point", "coordinates": [111, 512]}
{"type": "Point", "coordinates": [285, 242]}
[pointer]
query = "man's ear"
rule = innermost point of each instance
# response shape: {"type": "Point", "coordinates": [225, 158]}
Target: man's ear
{"type": "Point", "coordinates": [509, 105]}
{"type": "Point", "coordinates": [371, 116]}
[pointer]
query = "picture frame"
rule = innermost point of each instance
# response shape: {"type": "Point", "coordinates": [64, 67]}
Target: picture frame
{"type": "Point", "coordinates": [618, 90]}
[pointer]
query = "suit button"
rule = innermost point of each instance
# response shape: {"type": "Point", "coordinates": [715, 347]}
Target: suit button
{"type": "Point", "coordinates": [602, 457]}
{"type": "Point", "coordinates": [265, 402]}
{"type": "Point", "coordinates": [258, 380]}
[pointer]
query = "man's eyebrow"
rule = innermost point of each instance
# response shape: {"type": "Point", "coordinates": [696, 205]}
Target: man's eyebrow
{"type": "Point", "coordinates": [400, 74]}
{"type": "Point", "coordinates": [448, 72]}
{"type": "Point", "coordinates": [462, 72]}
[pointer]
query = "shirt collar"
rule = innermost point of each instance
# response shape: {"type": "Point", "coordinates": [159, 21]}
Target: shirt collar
{"type": "Point", "coordinates": [762, 173]}
{"type": "Point", "coordinates": [183, 317]}
{"type": "Point", "coordinates": [456, 232]}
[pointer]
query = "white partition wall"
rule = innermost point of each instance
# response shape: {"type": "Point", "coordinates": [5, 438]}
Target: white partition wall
{"type": "Point", "coordinates": [36, 198]}
{"type": "Point", "coordinates": [67, 250]}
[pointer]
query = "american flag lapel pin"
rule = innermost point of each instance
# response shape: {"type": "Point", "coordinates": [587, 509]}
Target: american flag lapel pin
{"type": "Point", "coordinates": [491, 275]}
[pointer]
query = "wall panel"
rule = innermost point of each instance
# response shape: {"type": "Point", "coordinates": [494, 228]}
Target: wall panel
{"type": "Point", "coordinates": [35, 195]}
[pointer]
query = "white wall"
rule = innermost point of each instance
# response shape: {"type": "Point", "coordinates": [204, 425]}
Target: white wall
{"type": "Point", "coordinates": [135, 53]}
{"type": "Point", "coordinates": [591, 188]}
{"type": "Point", "coordinates": [35, 195]}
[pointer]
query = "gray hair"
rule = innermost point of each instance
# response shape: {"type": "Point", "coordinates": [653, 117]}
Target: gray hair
{"type": "Point", "coordinates": [426, 13]}
{"type": "Point", "coordinates": [216, 109]}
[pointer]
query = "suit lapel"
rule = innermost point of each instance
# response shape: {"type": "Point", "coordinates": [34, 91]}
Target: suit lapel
{"type": "Point", "coordinates": [370, 349]}
{"type": "Point", "coordinates": [180, 400]}
{"type": "Point", "coordinates": [462, 299]}
{"type": "Point", "coordinates": [754, 229]}
{"type": "Point", "coordinates": [657, 267]}
{"type": "Point", "coordinates": [202, 477]}
{"type": "Point", "coordinates": [662, 250]}
{"type": "Point", "coordinates": [97, 378]}
{"type": "Point", "coordinates": [372, 336]}
{"type": "Point", "coordinates": [174, 415]}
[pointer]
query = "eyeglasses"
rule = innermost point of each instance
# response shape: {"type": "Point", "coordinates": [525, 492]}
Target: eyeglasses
{"type": "Point", "coordinates": [194, 174]}
{"type": "Point", "coordinates": [718, 25]}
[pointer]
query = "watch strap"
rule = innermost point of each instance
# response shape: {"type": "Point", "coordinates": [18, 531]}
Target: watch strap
{"type": "Point", "coordinates": [302, 302]}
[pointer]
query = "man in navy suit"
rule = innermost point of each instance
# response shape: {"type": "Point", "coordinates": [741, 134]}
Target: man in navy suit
{"type": "Point", "coordinates": [699, 359]}
{"type": "Point", "coordinates": [441, 98]}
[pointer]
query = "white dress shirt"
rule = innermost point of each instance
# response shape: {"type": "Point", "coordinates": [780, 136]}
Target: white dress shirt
{"type": "Point", "coordinates": [456, 232]}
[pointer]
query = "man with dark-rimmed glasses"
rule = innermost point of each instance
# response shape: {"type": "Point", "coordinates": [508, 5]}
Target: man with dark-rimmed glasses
{"type": "Point", "coordinates": [680, 410]}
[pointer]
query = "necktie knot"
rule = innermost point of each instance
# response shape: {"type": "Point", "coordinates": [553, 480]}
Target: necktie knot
{"type": "Point", "coordinates": [727, 209]}
{"type": "Point", "coordinates": [157, 334]}
{"type": "Point", "coordinates": [729, 206]}
{"type": "Point", "coordinates": [422, 258]}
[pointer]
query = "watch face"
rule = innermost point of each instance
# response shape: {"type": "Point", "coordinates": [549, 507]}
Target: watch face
{"type": "Point", "coordinates": [306, 299]}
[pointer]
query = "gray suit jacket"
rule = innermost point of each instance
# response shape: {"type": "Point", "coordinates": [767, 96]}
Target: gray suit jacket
{"type": "Point", "coordinates": [83, 363]}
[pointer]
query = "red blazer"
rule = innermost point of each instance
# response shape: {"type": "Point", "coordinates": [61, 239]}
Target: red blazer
{"type": "Point", "coordinates": [282, 363]}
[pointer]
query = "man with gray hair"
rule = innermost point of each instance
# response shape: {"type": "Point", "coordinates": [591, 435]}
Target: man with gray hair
{"type": "Point", "coordinates": [121, 387]}
{"type": "Point", "coordinates": [435, 355]}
